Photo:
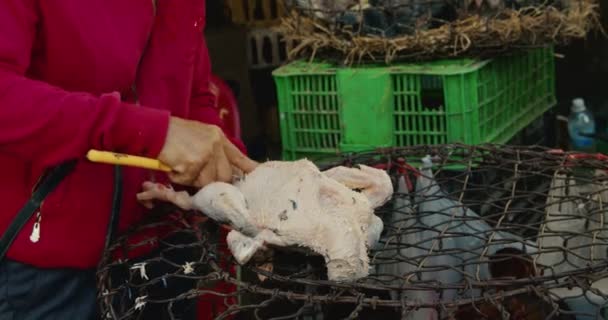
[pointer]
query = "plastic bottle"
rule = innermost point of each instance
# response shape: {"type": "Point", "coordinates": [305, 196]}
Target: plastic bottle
{"type": "Point", "coordinates": [581, 121]}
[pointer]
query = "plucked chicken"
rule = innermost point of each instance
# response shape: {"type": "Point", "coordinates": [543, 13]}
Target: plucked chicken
{"type": "Point", "coordinates": [289, 204]}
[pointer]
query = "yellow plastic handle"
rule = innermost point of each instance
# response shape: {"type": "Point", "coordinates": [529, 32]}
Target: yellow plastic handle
{"type": "Point", "coordinates": [126, 160]}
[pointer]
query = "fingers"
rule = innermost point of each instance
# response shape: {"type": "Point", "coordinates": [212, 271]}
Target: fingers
{"type": "Point", "coordinates": [237, 173]}
{"type": "Point", "coordinates": [224, 169]}
{"type": "Point", "coordinates": [187, 173]}
{"type": "Point", "coordinates": [200, 154]}
{"type": "Point", "coordinates": [226, 161]}
{"type": "Point", "coordinates": [183, 179]}
{"type": "Point", "coordinates": [192, 171]}
{"type": "Point", "coordinates": [207, 175]}
{"type": "Point", "coordinates": [237, 158]}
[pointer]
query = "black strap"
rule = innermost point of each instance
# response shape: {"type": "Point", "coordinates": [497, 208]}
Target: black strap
{"type": "Point", "coordinates": [116, 205]}
{"type": "Point", "coordinates": [47, 185]}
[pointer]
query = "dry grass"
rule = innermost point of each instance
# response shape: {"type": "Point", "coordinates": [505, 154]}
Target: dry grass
{"type": "Point", "coordinates": [473, 35]}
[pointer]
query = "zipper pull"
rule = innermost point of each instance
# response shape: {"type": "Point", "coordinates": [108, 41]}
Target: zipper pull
{"type": "Point", "coordinates": [35, 236]}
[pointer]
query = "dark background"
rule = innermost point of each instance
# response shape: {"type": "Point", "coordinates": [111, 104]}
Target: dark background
{"type": "Point", "coordinates": [581, 71]}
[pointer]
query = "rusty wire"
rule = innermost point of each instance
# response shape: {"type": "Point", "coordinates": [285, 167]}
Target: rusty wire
{"type": "Point", "coordinates": [533, 220]}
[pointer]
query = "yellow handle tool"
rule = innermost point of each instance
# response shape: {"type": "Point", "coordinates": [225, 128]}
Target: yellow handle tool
{"type": "Point", "coordinates": [126, 160]}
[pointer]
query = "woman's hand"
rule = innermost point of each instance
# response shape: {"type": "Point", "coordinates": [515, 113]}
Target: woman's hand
{"type": "Point", "coordinates": [200, 154]}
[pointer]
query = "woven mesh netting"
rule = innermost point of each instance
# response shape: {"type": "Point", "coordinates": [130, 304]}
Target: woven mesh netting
{"type": "Point", "coordinates": [487, 232]}
{"type": "Point", "coordinates": [388, 30]}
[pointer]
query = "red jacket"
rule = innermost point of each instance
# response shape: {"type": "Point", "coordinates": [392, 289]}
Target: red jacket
{"type": "Point", "coordinates": [67, 73]}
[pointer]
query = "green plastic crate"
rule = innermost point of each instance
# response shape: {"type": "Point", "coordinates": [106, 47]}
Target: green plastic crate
{"type": "Point", "coordinates": [327, 110]}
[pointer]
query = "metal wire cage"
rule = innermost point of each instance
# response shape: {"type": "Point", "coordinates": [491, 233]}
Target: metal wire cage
{"type": "Point", "coordinates": [388, 30]}
{"type": "Point", "coordinates": [484, 232]}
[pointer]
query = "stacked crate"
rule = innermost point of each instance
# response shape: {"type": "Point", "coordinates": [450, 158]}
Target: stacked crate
{"type": "Point", "coordinates": [327, 110]}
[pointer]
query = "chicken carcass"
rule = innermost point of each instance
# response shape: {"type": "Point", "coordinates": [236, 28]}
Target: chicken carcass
{"type": "Point", "coordinates": [435, 238]}
{"type": "Point", "coordinates": [289, 204]}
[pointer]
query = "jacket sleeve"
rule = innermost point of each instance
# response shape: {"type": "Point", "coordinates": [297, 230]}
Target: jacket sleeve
{"type": "Point", "coordinates": [45, 124]}
{"type": "Point", "coordinates": [203, 105]}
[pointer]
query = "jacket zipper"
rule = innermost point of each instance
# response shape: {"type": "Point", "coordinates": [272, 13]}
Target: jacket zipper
{"type": "Point", "coordinates": [35, 235]}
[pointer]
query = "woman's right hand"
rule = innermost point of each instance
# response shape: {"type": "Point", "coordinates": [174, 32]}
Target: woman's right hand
{"type": "Point", "coordinates": [200, 154]}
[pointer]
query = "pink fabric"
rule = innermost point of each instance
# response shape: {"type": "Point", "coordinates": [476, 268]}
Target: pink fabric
{"type": "Point", "coordinates": [66, 73]}
{"type": "Point", "coordinates": [227, 106]}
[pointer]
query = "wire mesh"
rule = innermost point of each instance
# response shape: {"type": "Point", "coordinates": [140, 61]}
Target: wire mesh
{"type": "Point", "coordinates": [388, 30]}
{"type": "Point", "coordinates": [487, 232]}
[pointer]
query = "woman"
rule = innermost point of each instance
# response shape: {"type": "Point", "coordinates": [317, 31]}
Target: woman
{"type": "Point", "coordinates": [111, 75]}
